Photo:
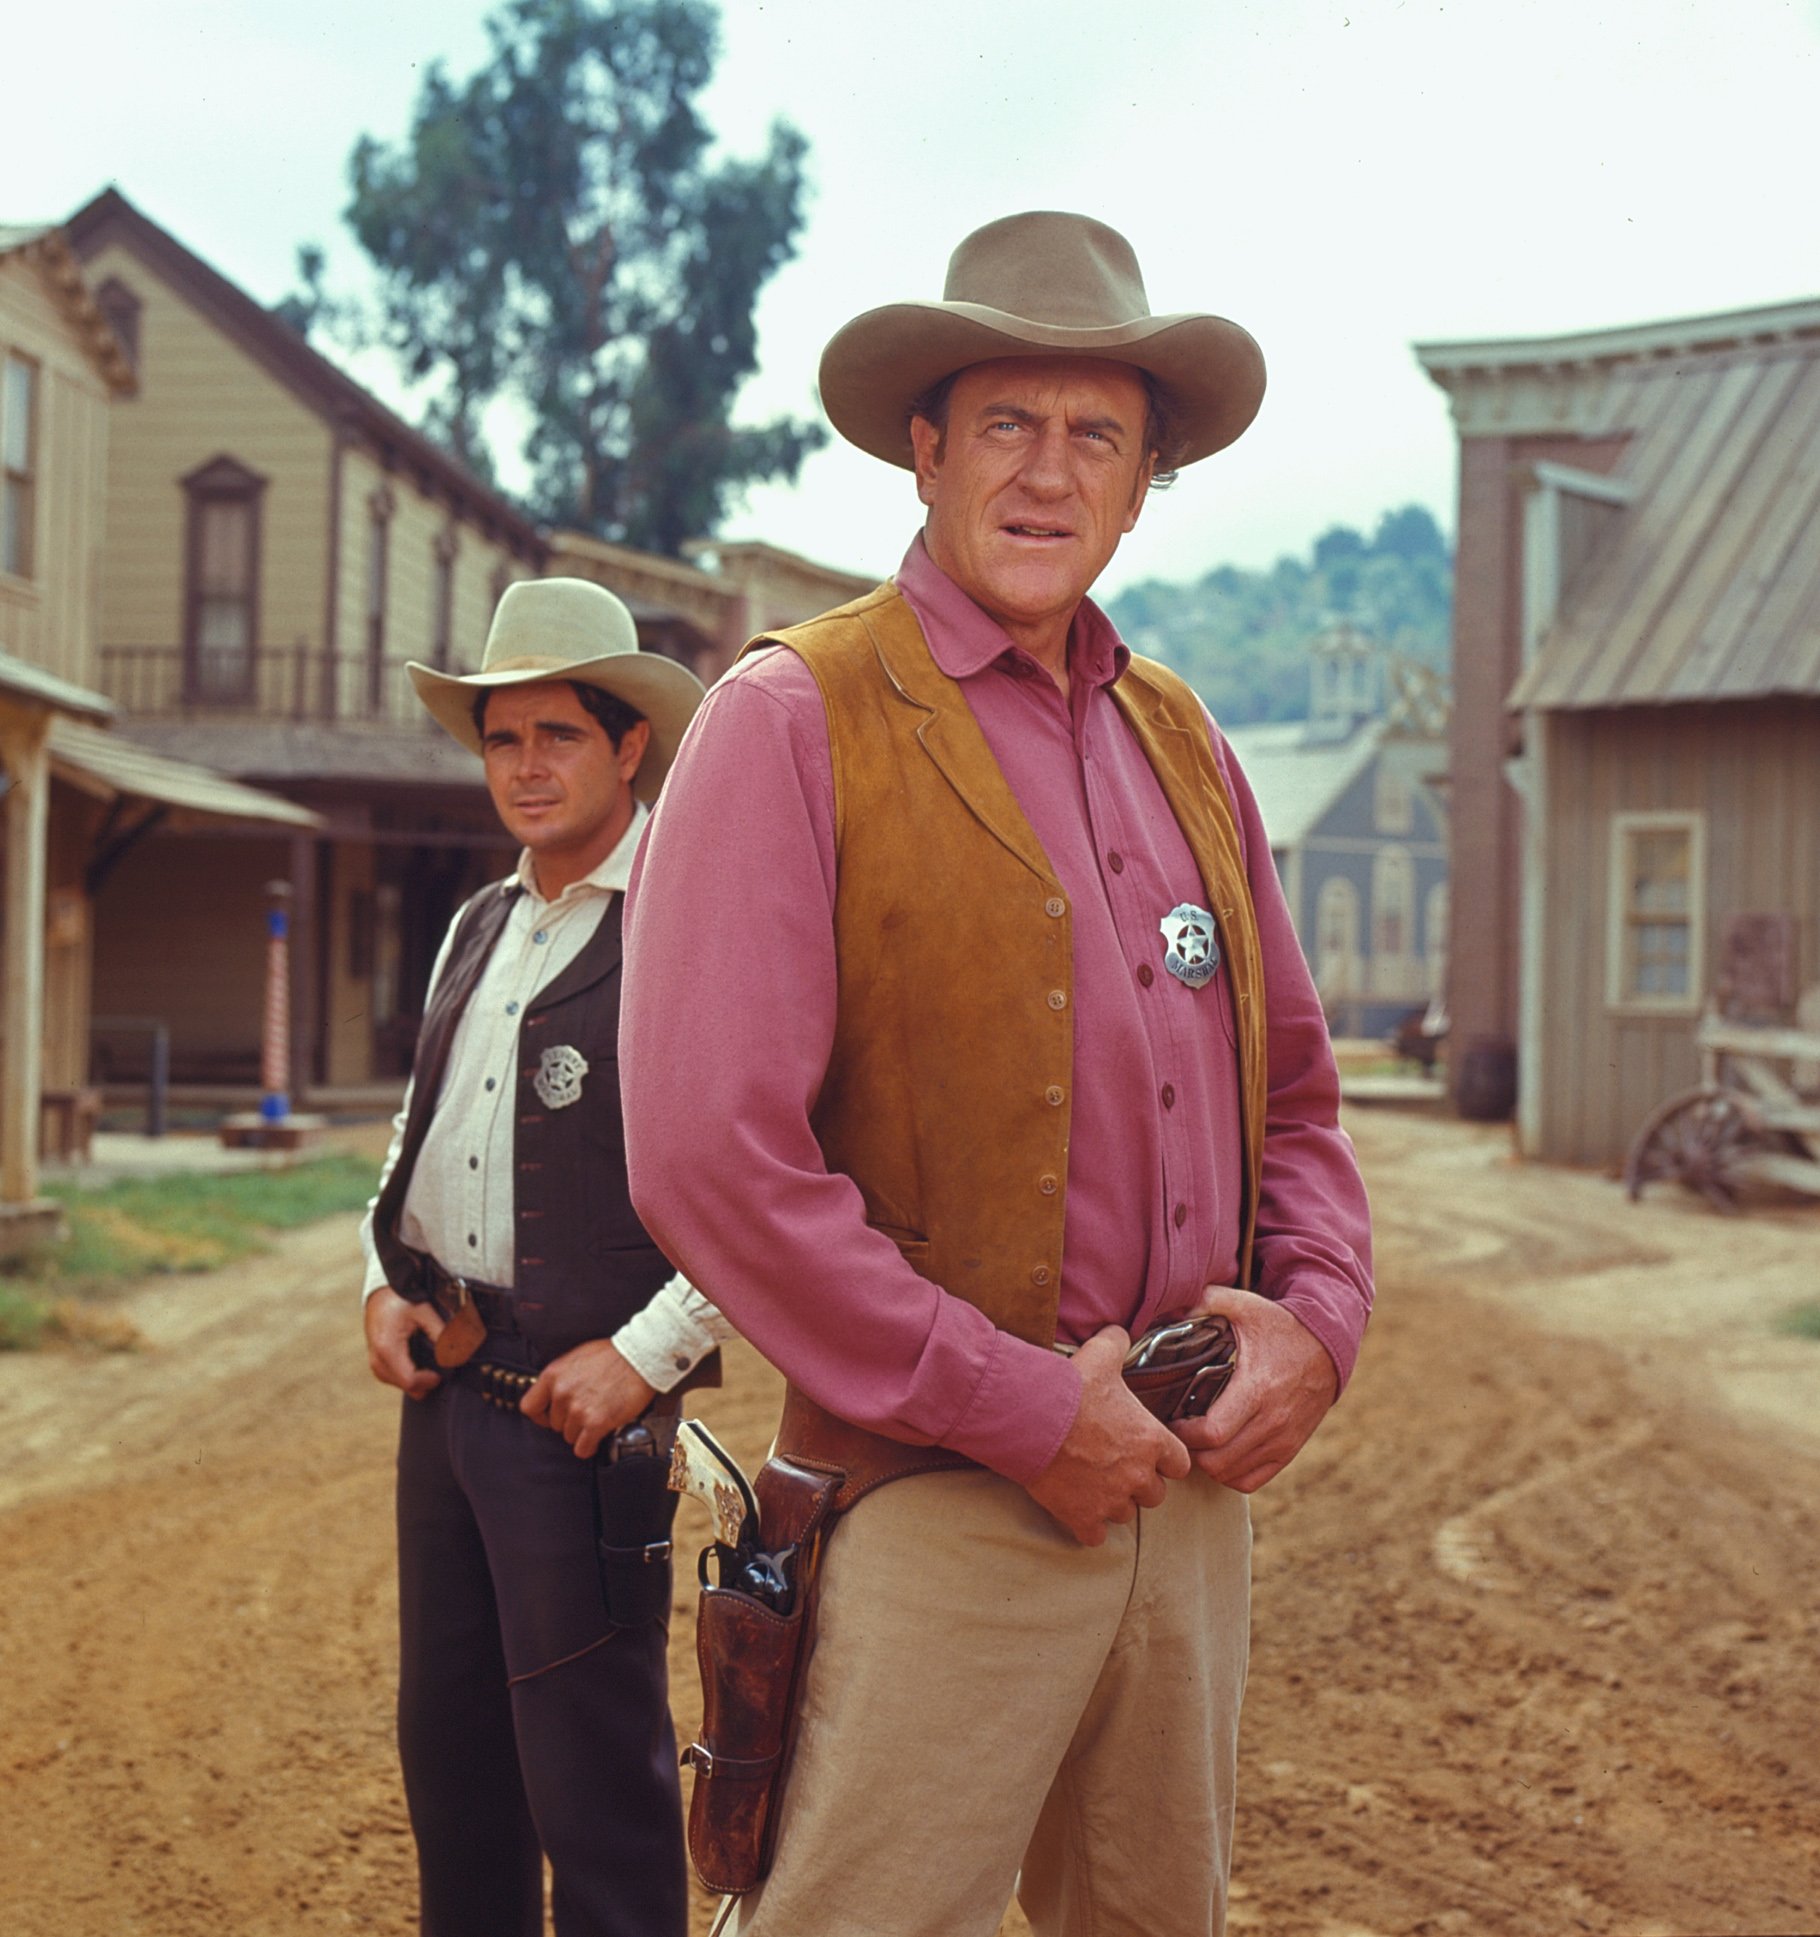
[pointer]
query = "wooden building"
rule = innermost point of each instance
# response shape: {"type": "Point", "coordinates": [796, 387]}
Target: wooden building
{"type": "Point", "coordinates": [280, 544]}
{"type": "Point", "coordinates": [1358, 830]}
{"type": "Point", "coordinates": [76, 797]}
{"type": "Point", "coordinates": [1635, 756]}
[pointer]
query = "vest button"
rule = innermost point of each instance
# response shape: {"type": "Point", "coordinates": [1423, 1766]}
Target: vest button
{"type": "Point", "coordinates": [1058, 998]}
{"type": "Point", "coordinates": [1146, 974]}
{"type": "Point", "coordinates": [1116, 862]}
{"type": "Point", "coordinates": [1047, 1185]}
{"type": "Point", "coordinates": [1055, 905]}
{"type": "Point", "coordinates": [1181, 1215]}
{"type": "Point", "coordinates": [1053, 1095]}
{"type": "Point", "coordinates": [1040, 1276]}
{"type": "Point", "coordinates": [1169, 1096]}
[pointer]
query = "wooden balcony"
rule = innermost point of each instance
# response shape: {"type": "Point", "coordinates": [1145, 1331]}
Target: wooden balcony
{"type": "Point", "coordinates": [297, 682]}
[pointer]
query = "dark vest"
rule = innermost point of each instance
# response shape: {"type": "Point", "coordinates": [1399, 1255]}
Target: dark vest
{"type": "Point", "coordinates": [582, 1262]}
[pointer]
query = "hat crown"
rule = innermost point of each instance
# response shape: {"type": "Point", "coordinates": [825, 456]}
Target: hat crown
{"type": "Point", "coordinates": [1068, 271]}
{"type": "Point", "coordinates": [556, 622]}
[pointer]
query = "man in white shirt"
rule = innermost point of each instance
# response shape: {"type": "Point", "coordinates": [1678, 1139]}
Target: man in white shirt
{"type": "Point", "coordinates": [514, 1297]}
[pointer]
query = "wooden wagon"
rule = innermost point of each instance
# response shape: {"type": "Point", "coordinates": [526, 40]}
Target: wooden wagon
{"type": "Point", "coordinates": [1754, 1117]}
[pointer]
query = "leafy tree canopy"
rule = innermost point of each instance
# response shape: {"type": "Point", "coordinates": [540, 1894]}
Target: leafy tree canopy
{"type": "Point", "coordinates": [553, 229]}
{"type": "Point", "coordinates": [1241, 638]}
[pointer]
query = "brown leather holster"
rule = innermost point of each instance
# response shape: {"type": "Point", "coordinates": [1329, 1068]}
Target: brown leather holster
{"type": "Point", "coordinates": [752, 1658]}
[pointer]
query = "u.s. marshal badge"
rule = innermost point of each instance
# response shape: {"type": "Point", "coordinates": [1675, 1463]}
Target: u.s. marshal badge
{"type": "Point", "coordinates": [558, 1078]}
{"type": "Point", "coordinates": [1191, 947]}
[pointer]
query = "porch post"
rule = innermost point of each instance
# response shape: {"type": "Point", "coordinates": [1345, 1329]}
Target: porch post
{"type": "Point", "coordinates": [22, 746]}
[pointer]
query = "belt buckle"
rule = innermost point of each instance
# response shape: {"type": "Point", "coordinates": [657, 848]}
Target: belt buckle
{"type": "Point", "coordinates": [458, 1294]}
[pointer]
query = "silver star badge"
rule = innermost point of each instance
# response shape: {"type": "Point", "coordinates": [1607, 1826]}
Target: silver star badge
{"type": "Point", "coordinates": [1191, 946]}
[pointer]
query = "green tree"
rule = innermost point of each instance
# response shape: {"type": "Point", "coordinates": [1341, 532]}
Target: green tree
{"type": "Point", "coordinates": [553, 230]}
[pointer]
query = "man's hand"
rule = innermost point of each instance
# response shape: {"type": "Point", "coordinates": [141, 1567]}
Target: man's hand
{"type": "Point", "coordinates": [1280, 1393]}
{"type": "Point", "coordinates": [390, 1321]}
{"type": "Point", "coordinates": [587, 1394]}
{"type": "Point", "coordinates": [1116, 1457]}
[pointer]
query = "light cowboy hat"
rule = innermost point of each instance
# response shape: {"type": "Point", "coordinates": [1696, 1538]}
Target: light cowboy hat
{"type": "Point", "coordinates": [569, 628]}
{"type": "Point", "coordinates": [1041, 284]}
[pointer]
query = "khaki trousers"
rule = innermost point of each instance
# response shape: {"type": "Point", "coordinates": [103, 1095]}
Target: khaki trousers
{"type": "Point", "coordinates": [991, 1706]}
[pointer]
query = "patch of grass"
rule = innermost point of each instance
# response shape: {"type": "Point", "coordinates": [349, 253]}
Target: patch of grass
{"type": "Point", "coordinates": [22, 1318]}
{"type": "Point", "coordinates": [143, 1226]}
{"type": "Point", "coordinates": [1802, 1320]}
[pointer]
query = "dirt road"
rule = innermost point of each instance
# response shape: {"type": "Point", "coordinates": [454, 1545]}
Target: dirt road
{"type": "Point", "coordinates": [1536, 1619]}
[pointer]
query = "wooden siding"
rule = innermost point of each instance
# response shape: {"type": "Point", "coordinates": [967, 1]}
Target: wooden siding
{"type": "Point", "coordinates": [417, 522]}
{"type": "Point", "coordinates": [201, 397]}
{"type": "Point", "coordinates": [1753, 772]}
{"type": "Point", "coordinates": [50, 620]}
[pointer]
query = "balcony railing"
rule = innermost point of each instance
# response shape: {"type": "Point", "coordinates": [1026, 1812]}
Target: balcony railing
{"type": "Point", "coordinates": [296, 682]}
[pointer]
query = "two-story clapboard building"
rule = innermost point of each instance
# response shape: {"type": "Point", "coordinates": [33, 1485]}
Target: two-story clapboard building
{"type": "Point", "coordinates": [280, 544]}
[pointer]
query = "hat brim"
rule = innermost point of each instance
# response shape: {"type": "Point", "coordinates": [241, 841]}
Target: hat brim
{"type": "Point", "coordinates": [664, 692]}
{"type": "Point", "coordinates": [881, 362]}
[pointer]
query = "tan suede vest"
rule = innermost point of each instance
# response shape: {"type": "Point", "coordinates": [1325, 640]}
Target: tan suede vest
{"type": "Point", "coordinates": [947, 1093]}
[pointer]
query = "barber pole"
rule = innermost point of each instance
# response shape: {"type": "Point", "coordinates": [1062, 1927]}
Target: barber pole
{"type": "Point", "coordinates": [275, 1046]}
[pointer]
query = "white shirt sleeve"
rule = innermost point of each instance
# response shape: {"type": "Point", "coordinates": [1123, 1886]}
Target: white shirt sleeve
{"type": "Point", "coordinates": [665, 1341]}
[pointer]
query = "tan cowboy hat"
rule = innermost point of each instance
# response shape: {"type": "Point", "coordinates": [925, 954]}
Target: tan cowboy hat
{"type": "Point", "coordinates": [569, 628]}
{"type": "Point", "coordinates": [1041, 284]}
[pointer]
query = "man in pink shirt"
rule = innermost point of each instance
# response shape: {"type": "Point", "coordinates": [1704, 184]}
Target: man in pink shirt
{"type": "Point", "coordinates": [966, 1100]}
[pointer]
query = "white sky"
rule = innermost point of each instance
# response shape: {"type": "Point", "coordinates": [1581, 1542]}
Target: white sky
{"type": "Point", "coordinates": [1344, 177]}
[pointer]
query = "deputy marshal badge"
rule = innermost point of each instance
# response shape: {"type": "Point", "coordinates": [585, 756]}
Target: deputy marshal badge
{"type": "Point", "coordinates": [1191, 948]}
{"type": "Point", "coordinates": [558, 1078]}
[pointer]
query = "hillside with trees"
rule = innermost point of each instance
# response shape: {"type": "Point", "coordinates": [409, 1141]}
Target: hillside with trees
{"type": "Point", "coordinates": [1241, 639]}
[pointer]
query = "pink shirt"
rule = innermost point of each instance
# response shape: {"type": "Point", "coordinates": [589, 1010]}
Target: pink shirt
{"type": "Point", "coordinates": [730, 926]}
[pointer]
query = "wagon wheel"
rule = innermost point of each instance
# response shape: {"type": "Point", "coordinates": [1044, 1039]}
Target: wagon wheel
{"type": "Point", "coordinates": [1697, 1139]}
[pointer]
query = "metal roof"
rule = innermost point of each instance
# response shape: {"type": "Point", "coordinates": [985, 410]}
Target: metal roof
{"type": "Point", "coordinates": [1297, 779]}
{"type": "Point", "coordinates": [1707, 586]}
{"type": "Point", "coordinates": [21, 680]}
{"type": "Point", "coordinates": [107, 765]}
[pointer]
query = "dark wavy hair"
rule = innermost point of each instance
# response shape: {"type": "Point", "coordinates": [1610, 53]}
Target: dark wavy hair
{"type": "Point", "coordinates": [616, 717]}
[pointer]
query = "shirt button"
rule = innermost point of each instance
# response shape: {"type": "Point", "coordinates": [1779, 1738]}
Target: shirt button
{"type": "Point", "coordinates": [542, 935]}
{"type": "Point", "coordinates": [1181, 1215]}
{"type": "Point", "coordinates": [1055, 905]}
{"type": "Point", "coordinates": [491, 1084]}
{"type": "Point", "coordinates": [511, 1008]}
{"type": "Point", "coordinates": [1040, 1276]}
{"type": "Point", "coordinates": [1047, 1185]}
{"type": "Point", "coordinates": [1053, 1095]}
{"type": "Point", "coordinates": [473, 1163]}
{"type": "Point", "coordinates": [1116, 862]}
{"type": "Point", "coordinates": [473, 1241]}
{"type": "Point", "coordinates": [1058, 998]}
{"type": "Point", "coordinates": [1146, 974]}
{"type": "Point", "coordinates": [681, 1362]}
{"type": "Point", "coordinates": [1169, 1096]}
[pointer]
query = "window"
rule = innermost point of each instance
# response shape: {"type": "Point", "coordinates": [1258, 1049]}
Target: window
{"type": "Point", "coordinates": [1394, 811]}
{"type": "Point", "coordinates": [442, 617]}
{"type": "Point", "coordinates": [18, 466]}
{"type": "Point", "coordinates": [1658, 895]}
{"type": "Point", "coordinates": [1336, 946]}
{"type": "Point", "coordinates": [379, 548]}
{"type": "Point", "coordinates": [221, 628]}
{"type": "Point", "coordinates": [1434, 929]}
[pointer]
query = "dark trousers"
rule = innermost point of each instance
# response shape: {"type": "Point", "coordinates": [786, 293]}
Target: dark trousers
{"type": "Point", "coordinates": [528, 1724]}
